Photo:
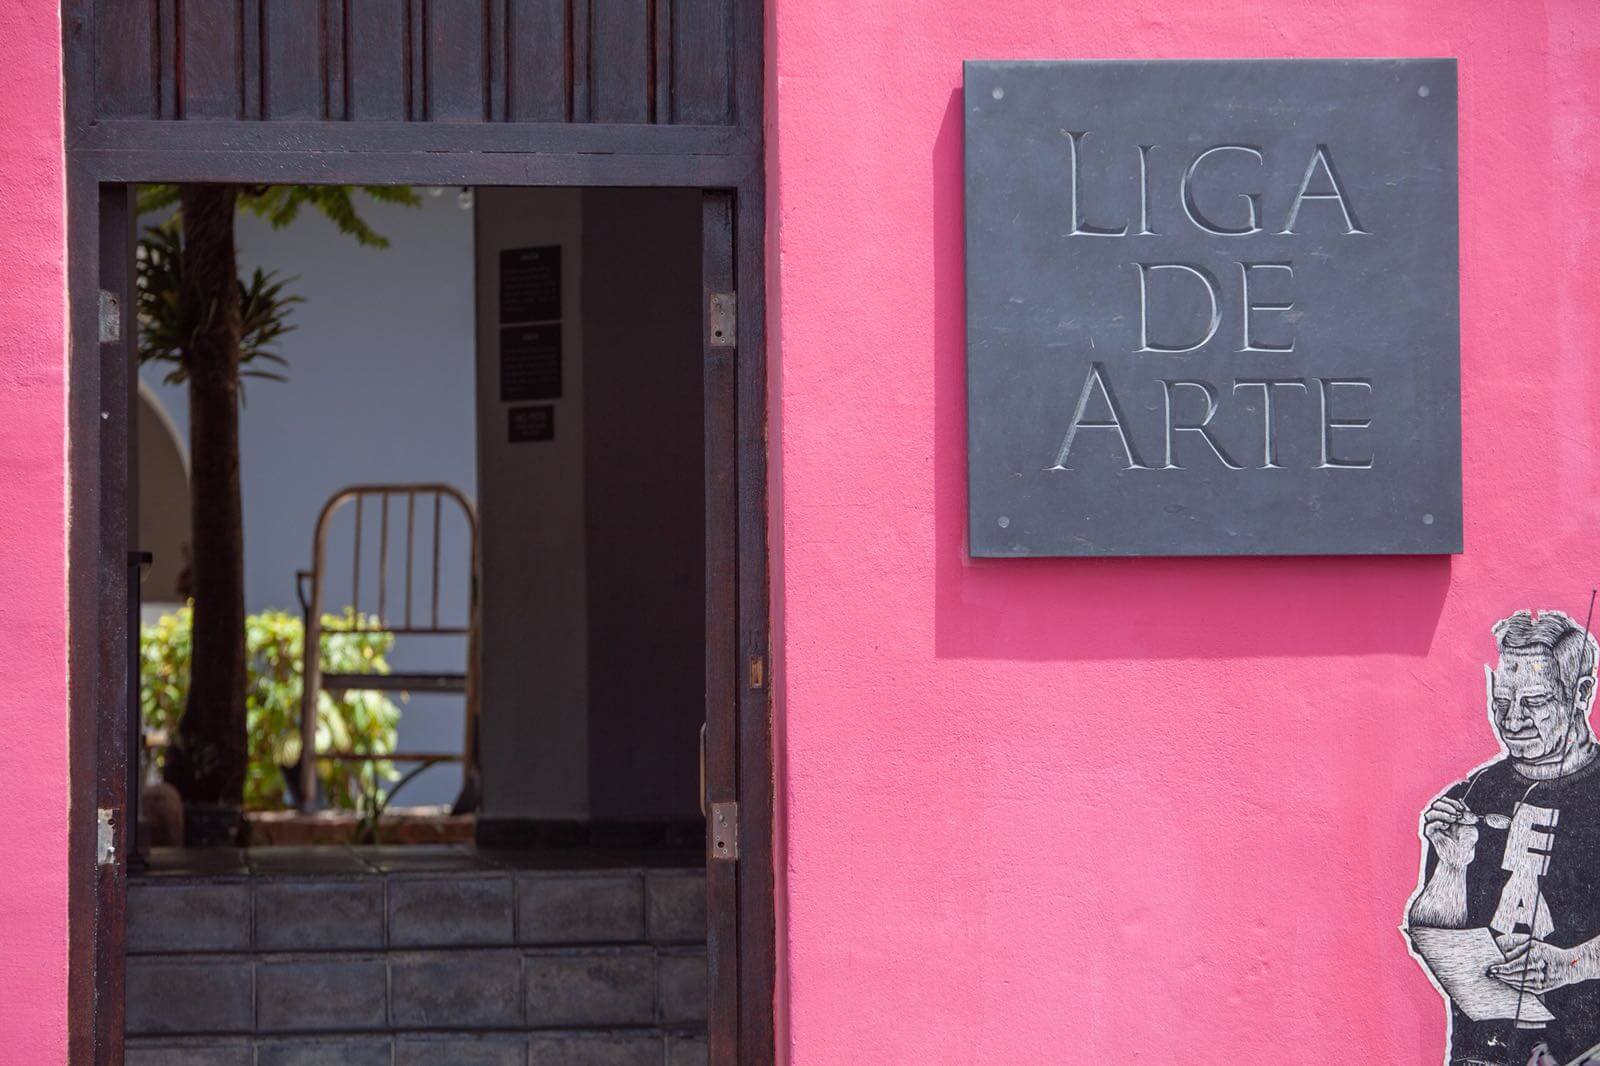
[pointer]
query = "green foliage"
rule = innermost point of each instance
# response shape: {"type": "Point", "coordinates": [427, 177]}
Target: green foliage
{"type": "Point", "coordinates": [274, 642]}
{"type": "Point", "coordinates": [281, 204]}
{"type": "Point", "coordinates": [165, 325]}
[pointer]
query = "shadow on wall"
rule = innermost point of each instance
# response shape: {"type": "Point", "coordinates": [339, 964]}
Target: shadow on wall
{"type": "Point", "coordinates": [1049, 609]}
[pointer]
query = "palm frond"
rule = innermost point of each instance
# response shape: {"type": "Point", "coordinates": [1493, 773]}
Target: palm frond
{"type": "Point", "coordinates": [163, 333]}
{"type": "Point", "coordinates": [166, 326]}
{"type": "Point", "coordinates": [264, 308]}
{"type": "Point", "coordinates": [280, 205]}
{"type": "Point", "coordinates": [156, 198]}
{"type": "Point", "coordinates": [404, 195]}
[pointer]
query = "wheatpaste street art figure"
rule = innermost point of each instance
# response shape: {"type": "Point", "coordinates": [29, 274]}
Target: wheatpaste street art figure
{"type": "Point", "coordinates": [1506, 915]}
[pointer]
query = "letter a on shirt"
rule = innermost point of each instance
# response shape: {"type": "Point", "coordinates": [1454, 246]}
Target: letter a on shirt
{"type": "Point", "coordinates": [1527, 858]}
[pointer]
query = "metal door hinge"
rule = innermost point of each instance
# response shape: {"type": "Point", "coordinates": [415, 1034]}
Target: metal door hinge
{"type": "Point", "coordinates": [722, 321]}
{"type": "Point", "coordinates": [725, 831]}
{"type": "Point", "coordinates": [106, 839]}
{"type": "Point", "coordinates": [758, 671]}
{"type": "Point", "coordinates": [110, 317]}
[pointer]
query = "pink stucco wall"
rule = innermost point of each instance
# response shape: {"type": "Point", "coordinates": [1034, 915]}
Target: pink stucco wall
{"type": "Point", "coordinates": [33, 644]}
{"type": "Point", "coordinates": [1057, 811]}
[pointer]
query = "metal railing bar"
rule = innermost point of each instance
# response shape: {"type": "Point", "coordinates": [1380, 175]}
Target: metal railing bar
{"type": "Point", "coordinates": [416, 682]}
{"type": "Point", "coordinates": [411, 542]}
{"type": "Point", "coordinates": [383, 558]}
{"type": "Point", "coordinates": [402, 631]}
{"type": "Point", "coordinates": [438, 508]}
{"type": "Point", "coordinates": [355, 579]}
{"type": "Point", "coordinates": [398, 756]}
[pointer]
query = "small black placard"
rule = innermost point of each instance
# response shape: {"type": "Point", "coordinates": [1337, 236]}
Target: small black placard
{"type": "Point", "coordinates": [530, 284]}
{"type": "Point", "coordinates": [530, 363]}
{"type": "Point", "coordinates": [524, 424]}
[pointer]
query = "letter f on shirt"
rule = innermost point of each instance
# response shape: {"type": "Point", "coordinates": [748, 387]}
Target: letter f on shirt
{"type": "Point", "coordinates": [1529, 845]}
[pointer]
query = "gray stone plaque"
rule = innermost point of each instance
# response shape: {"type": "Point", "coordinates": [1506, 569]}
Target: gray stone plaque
{"type": "Point", "coordinates": [1212, 308]}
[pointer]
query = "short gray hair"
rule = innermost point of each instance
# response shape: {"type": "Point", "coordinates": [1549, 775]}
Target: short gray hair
{"type": "Point", "coordinates": [1558, 636]}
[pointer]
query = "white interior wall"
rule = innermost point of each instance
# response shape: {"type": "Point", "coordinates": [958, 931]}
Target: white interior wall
{"type": "Point", "coordinates": [163, 502]}
{"type": "Point", "coordinates": [535, 633]}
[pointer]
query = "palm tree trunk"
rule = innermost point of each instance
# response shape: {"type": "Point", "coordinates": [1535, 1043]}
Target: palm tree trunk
{"type": "Point", "coordinates": [210, 757]}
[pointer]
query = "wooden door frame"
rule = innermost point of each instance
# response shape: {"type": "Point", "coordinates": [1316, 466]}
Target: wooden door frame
{"type": "Point", "coordinates": [102, 162]}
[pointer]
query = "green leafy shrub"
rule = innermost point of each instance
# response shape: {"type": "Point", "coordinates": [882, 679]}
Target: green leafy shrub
{"type": "Point", "coordinates": [274, 640]}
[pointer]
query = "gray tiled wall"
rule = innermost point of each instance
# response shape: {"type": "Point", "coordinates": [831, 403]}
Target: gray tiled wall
{"type": "Point", "coordinates": [410, 967]}
{"type": "Point", "coordinates": [407, 910]}
{"type": "Point", "coordinates": [642, 1048]}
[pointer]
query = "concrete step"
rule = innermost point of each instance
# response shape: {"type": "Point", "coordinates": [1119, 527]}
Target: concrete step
{"type": "Point", "coordinates": [641, 1048]}
{"type": "Point", "coordinates": [395, 958]}
{"type": "Point", "coordinates": [434, 990]}
{"type": "Point", "coordinates": [414, 909]}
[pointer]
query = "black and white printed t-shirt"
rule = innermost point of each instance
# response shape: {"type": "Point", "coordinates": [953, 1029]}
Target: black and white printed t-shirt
{"type": "Point", "coordinates": [1540, 874]}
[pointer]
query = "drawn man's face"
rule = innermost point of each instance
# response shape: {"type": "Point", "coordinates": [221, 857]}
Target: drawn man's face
{"type": "Point", "coordinates": [1530, 711]}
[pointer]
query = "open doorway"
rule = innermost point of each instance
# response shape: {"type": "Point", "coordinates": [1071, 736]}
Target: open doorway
{"type": "Point", "coordinates": [559, 361]}
{"type": "Point", "coordinates": [428, 95]}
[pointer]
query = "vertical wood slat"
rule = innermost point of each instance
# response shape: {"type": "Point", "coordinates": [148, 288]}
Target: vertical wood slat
{"type": "Point", "coordinates": [455, 45]}
{"type": "Point", "coordinates": [538, 61]}
{"type": "Point", "coordinates": [497, 99]}
{"type": "Point", "coordinates": [167, 57]}
{"type": "Point", "coordinates": [702, 68]}
{"type": "Point", "coordinates": [580, 47]}
{"type": "Point", "coordinates": [210, 58]}
{"type": "Point", "coordinates": [117, 384]}
{"type": "Point", "coordinates": [250, 46]}
{"type": "Point", "coordinates": [722, 643]}
{"type": "Point", "coordinates": [79, 66]}
{"type": "Point", "coordinates": [88, 981]}
{"type": "Point", "coordinates": [377, 59]}
{"type": "Point", "coordinates": [758, 964]}
{"type": "Point", "coordinates": [294, 58]}
{"type": "Point", "coordinates": [746, 64]}
{"type": "Point", "coordinates": [758, 890]}
{"type": "Point", "coordinates": [335, 48]}
{"type": "Point", "coordinates": [127, 59]}
{"type": "Point", "coordinates": [661, 62]}
{"type": "Point", "coordinates": [619, 56]}
{"type": "Point", "coordinates": [417, 60]}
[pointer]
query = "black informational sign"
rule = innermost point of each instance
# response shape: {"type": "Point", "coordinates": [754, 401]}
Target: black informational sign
{"type": "Point", "coordinates": [1212, 308]}
{"type": "Point", "coordinates": [530, 362]}
{"type": "Point", "coordinates": [526, 424]}
{"type": "Point", "coordinates": [530, 284]}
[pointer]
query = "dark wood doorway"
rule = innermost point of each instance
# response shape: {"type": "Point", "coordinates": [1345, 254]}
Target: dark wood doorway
{"type": "Point", "coordinates": [428, 92]}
